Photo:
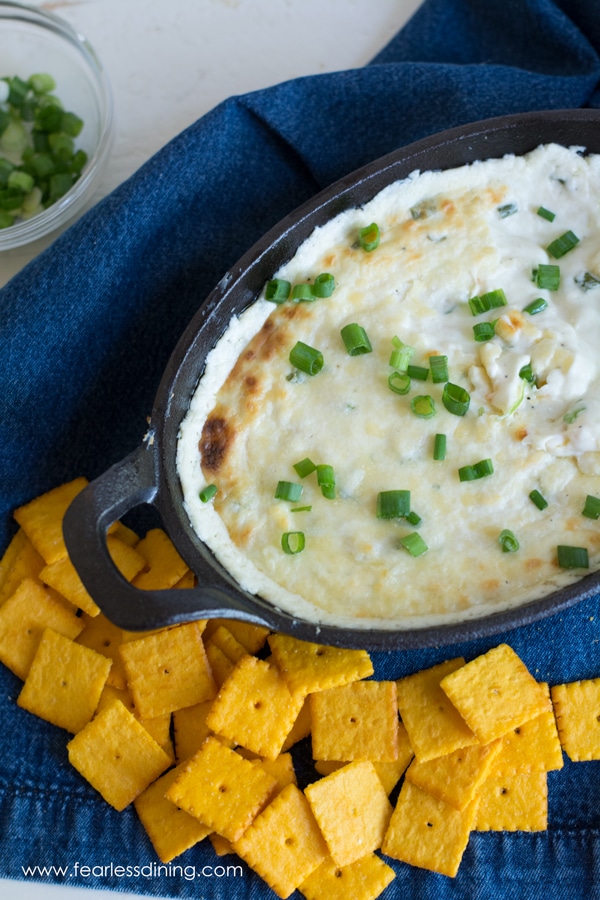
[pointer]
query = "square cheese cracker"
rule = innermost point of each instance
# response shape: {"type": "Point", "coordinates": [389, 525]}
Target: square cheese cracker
{"type": "Point", "coordinates": [364, 879]}
{"type": "Point", "coordinates": [495, 693]}
{"type": "Point", "coordinates": [308, 667]}
{"type": "Point", "coordinates": [515, 803]}
{"type": "Point", "coordinates": [455, 778]}
{"type": "Point", "coordinates": [41, 519]}
{"type": "Point", "coordinates": [577, 707]}
{"type": "Point", "coordinates": [357, 721]}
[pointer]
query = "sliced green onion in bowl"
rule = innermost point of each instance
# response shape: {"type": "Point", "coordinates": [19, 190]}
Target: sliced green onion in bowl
{"type": "Point", "coordinates": [288, 490]}
{"type": "Point", "coordinates": [423, 406]}
{"type": "Point", "coordinates": [508, 541]}
{"type": "Point", "coordinates": [439, 447]}
{"type": "Point", "coordinates": [547, 276]}
{"type": "Point", "coordinates": [399, 382]}
{"type": "Point", "coordinates": [481, 469]}
{"type": "Point", "coordinates": [303, 293]}
{"type": "Point", "coordinates": [293, 542]}
{"type": "Point", "coordinates": [369, 237]}
{"type": "Point", "coordinates": [324, 285]}
{"type": "Point", "coordinates": [439, 369]}
{"type": "Point", "coordinates": [305, 467]}
{"type": "Point", "coordinates": [419, 373]}
{"type": "Point", "coordinates": [546, 214]}
{"type": "Point", "coordinates": [536, 306]}
{"type": "Point", "coordinates": [207, 493]}
{"type": "Point", "coordinates": [572, 557]}
{"type": "Point", "coordinates": [393, 504]}
{"type": "Point", "coordinates": [456, 399]}
{"type": "Point", "coordinates": [484, 331]}
{"type": "Point", "coordinates": [356, 340]}
{"type": "Point", "coordinates": [414, 543]}
{"type": "Point", "coordinates": [401, 355]}
{"type": "Point", "coordinates": [277, 290]}
{"type": "Point", "coordinates": [537, 499]}
{"type": "Point", "coordinates": [591, 508]}
{"type": "Point", "coordinates": [563, 244]}
{"type": "Point", "coordinates": [485, 302]}
{"type": "Point", "coordinates": [306, 358]}
{"type": "Point", "coordinates": [326, 480]}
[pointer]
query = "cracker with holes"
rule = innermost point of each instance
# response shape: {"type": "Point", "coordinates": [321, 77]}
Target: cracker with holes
{"type": "Point", "coordinates": [164, 565]}
{"type": "Point", "coordinates": [170, 829]}
{"type": "Point", "coordinates": [533, 746]}
{"type": "Point", "coordinates": [515, 803]}
{"type": "Point", "coordinates": [64, 683]}
{"type": "Point", "coordinates": [20, 560]}
{"type": "Point", "coordinates": [222, 638]}
{"type": "Point", "coordinates": [577, 708]}
{"type": "Point", "coordinates": [255, 708]}
{"type": "Point", "coordinates": [118, 757]}
{"type": "Point", "coordinates": [41, 519]}
{"type": "Point", "coordinates": [159, 728]}
{"type": "Point", "coordinates": [456, 777]}
{"type": "Point", "coordinates": [284, 843]}
{"type": "Point", "coordinates": [364, 879]}
{"type": "Point", "coordinates": [357, 721]}
{"type": "Point", "coordinates": [427, 832]}
{"type": "Point", "coordinates": [101, 635]}
{"type": "Point", "coordinates": [221, 789]}
{"type": "Point", "coordinates": [309, 667]}
{"type": "Point", "coordinates": [251, 636]}
{"type": "Point", "coordinates": [23, 618]}
{"type": "Point", "coordinates": [221, 666]}
{"type": "Point", "coordinates": [352, 810]}
{"type": "Point", "coordinates": [495, 693]}
{"type": "Point", "coordinates": [301, 727]}
{"type": "Point", "coordinates": [434, 725]}
{"type": "Point", "coordinates": [168, 670]}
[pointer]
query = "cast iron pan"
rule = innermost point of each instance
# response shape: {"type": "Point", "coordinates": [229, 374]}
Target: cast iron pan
{"type": "Point", "coordinates": [148, 475]}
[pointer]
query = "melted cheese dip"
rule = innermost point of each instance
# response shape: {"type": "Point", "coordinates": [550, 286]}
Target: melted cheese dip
{"type": "Point", "coordinates": [446, 237]}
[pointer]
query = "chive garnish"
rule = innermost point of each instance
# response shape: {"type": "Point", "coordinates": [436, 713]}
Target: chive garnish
{"type": "Point", "coordinates": [326, 481]}
{"type": "Point", "coordinates": [479, 470]}
{"type": "Point", "coordinates": [324, 285]}
{"type": "Point", "coordinates": [562, 244]}
{"type": "Point", "coordinates": [420, 373]}
{"type": "Point", "coordinates": [536, 306]}
{"type": "Point", "coordinates": [413, 518]}
{"type": "Point", "coordinates": [306, 358]}
{"type": "Point", "coordinates": [547, 276]}
{"type": "Point", "coordinates": [592, 507]}
{"type": "Point", "coordinates": [507, 209]}
{"type": "Point", "coordinates": [587, 281]}
{"type": "Point", "coordinates": [455, 399]}
{"type": "Point", "coordinates": [414, 543]}
{"type": "Point", "coordinates": [301, 509]}
{"type": "Point", "coordinates": [401, 355]}
{"type": "Point", "coordinates": [355, 339]}
{"type": "Point", "coordinates": [487, 301]}
{"type": "Point", "coordinates": [423, 406]}
{"type": "Point", "coordinates": [399, 382]}
{"type": "Point", "coordinates": [393, 504]}
{"type": "Point", "coordinates": [293, 542]}
{"type": "Point", "coordinates": [288, 490]}
{"type": "Point", "coordinates": [208, 492]}
{"type": "Point", "coordinates": [439, 447]}
{"type": "Point", "coordinates": [508, 541]}
{"type": "Point", "coordinates": [303, 293]}
{"type": "Point", "coordinates": [484, 331]}
{"type": "Point", "coordinates": [439, 369]}
{"type": "Point", "coordinates": [277, 290]}
{"type": "Point", "coordinates": [305, 467]}
{"type": "Point", "coordinates": [538, 499]}
{"type": "Point", "coordinates": [546, 214]}
{"type": "Point", "coordinates": [572, 557]}
{"type": "Point", "coordinates": [526, 373]}
{"type": "Point", "coordinates": [369, 236]}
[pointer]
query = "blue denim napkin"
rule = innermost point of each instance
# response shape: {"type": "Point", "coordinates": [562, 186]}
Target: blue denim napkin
{"type": "Point", "coordinates": [88, 327]}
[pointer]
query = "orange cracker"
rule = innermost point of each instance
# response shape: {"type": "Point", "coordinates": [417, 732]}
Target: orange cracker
{"type": "Point", "coordinates": [389, 772]}
{"type": "Point", "coordinates": [255, 708]}
{"type": "Point", "coordinates": [433, 724]}
{"type": "Point", "coordinates": [64, 682]}
{"type": "Point", "coordinates": [516, 803]}
{"type": "Point", "coordinates": [102, 636]}
{"type": "Point", "coordinates": [251, 636]}
{"type": "Point", "coordinates": [577, 708]}
{"type": "Point", "coordinates": [309, 667]}
{"type": "Point", "coordinates": [357, 721]}
{"type": "Point", "coordinates": [428, 833]}
{"type": "Point", "coordinates": [222, 638]}
{"type": "Point", "coordinates": [221, 789]}
{"type": "Point", "coordinates": [63, 578]}
{"type": "Point", "coordinates": [170, 829]}
{"type": "Point", "coordinates": [284, 844]}
{"type": "Point", "coordinates": [301, 727]}
{"type": "Point", "coordinates": [221, 666]}
{"type": "Point", "coordinates": [221, 845]}
{"type": "Point", "coordinates": [495, 693]}
{"type": "Point", "coordinates": [20, 560]}
{"type": "Point", "coordinates": [533, 746]}
{"type": "Point", "coordinates": [23, 618]}
{"type": "Point", "coordinates": [352, 810]}
{"type": "Point", "coordinates": [455, 778]}
{"type": "Point", "coordinates": [128, 560]}
{"type": "Point", "coordinates": [364, 879]}
{"type": "Point", "coordinates": [159, 728]}
{"type": "Point", "coordinates": [115, 753]}
{"type": "Point", "coordinates": [190, 729]}
{"type": "Point", "coordinates": [168, 670]}
{"type": "Point", "coordinates": [41, 519]}
{"type": "Point", "coordinates": [165, 567]}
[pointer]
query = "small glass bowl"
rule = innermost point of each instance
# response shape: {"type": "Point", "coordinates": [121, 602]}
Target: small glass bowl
{"type": "Point", "coordinates": [31, 41]}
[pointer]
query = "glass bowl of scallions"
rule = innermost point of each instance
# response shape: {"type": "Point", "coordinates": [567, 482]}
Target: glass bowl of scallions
{"type": "Point", "coordinates": [56, 120]}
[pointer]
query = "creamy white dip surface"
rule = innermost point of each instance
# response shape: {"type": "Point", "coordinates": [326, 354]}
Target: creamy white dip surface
{"type": "Point", "coordinates": [446, 237]}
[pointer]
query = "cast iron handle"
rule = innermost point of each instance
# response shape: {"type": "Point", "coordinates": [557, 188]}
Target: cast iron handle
{"type": "Point", "coordinates": [124, 486]}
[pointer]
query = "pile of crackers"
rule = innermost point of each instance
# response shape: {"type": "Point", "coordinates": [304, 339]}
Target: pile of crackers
{"type": "Point", "coordinates": [194, 725]}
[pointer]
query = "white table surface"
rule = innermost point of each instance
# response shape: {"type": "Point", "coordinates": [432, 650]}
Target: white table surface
{"type": "Point", "coordinates": [171, 61]}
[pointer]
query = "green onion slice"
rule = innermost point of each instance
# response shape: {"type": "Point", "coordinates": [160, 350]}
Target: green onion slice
{"type": "Point", "coordinates": [355, 339]}
{"type": "Point", "coordinates": [536, 306]}
{"type": "Point", "coordinates": [439, 447]}
{"type": "Point", "coordinates": [305, 467]}
{"type": "Point", "coordinates": [547, 276]}
{"type": "Point", "coordinates": [326, 481]}
{"type": "Point", "coordinates": [456, 399]}
{"type": "Point", "coordinates": [399, 382]}
{"type": "Point", "coordinates": [293, 542]}
{"type": "Point", "coordinates": [481, 469]}
{"type": "Point", "coordinates": [572, 557]}
{"type": "Point", "coordinates": [423, 406]}
{"type": "Point", "coordinates": [277, 290]}
{"type": "Point", "coordinates": [324, 285]}
{"type": "Point", "coordinates": [546, 214]}
{"type": "Point", "coordinates": [288, 490]}
{"type": "Point", "coordinates": [303, 293]}
{"type": "Point", "coordinates": [393, 504]}
{"type": "Point", "coordinates": [413, 518]}
{"type": "Point", "coordinates": [592, 507]}
{"type": "Point", "coordinates": [419, 373]}
{"type": "Point", "coordinates": [508, 541]}
{"type": "Point", "coordinates": [414, 543]}
{"type": "Point", "coordinates": [538, 499]}
{"type": "Point", "coordinates": [401, 355]}
{"type": "Point", "coordinates": [485, 302]}
{"type": "Point", "coordinates": [208, 492]}
{"type": "Point", "coordinates": [562, 244]}
{"type": "Point", "coordinates": [484, 331]}
{"type": "Point", "coordinates": [369, 236]}
{"type": "Point", "coordinates": [507, 209]}
{"type": "Point", "coordinates": [306, 358]}
{"type": "Point", "coordinates": [301, 509]}
{"type": "Point", "coordinates": [439, 369]}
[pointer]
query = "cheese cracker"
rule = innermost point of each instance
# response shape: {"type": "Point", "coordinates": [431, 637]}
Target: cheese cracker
{"type": "Point", "coordinates": [355, 721]}
{"type": "Point", "coordinates": [20, 560]}
{"type": "Point", "coordinates": [456, 777]}
{"type": "Point", "coordinates": [364, 879]}
{"type": "Point", "coordinates": [308, 667]}
{"type": "Point", "coordinates": [577, 707]}
{"type": "Point", "coordinates": [41, 519]}
{"type": "Point", "coordinates": [515, 803]}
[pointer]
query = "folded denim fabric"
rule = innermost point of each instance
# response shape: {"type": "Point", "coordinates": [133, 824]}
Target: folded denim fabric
{"type": "Point", "coordinates": [87, 328]}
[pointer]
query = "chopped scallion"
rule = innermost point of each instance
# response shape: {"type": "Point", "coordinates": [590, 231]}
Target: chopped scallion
{"type": "Point", "coordinates": [526, 373]}
{"type": "Point", "coordinates": [393, 504]}
{"type": "Point", "coordinates": [536, 306]}
{"type": "Point", "coordinates": [369, 237]}
{"type": "Point", "coordinates": [326, 481]}
{"type": "Point", "coordinates": [419, 373]}
{"type": "Point", "coordinates": [456, 399]}
{"type": "Point", "coordinates": [293, 542]}
{"type": "Point", "coordinates": [288, 490]}
{"type": "Point", "coordinates": [355, 339]}
{"type": "Point", "coordinates": [587, 281]}
{"type": "Point", "coordinates": [572, 557]}
{"type": "Point", "coordinates": [484, 331]}
{"type": "Point", "coordinates": [305, 467]}
{"type": "Point", "coordinates": [507, 209]}
{"type": "Point", "coordinates": [208, 492]}
{"type": "Point", "coordinates": [562, 244]}
{"type": "Point", "coordinates": [592, 507]}
{"type": "Point", "coordinates": [439, 447]}
{"type": "Point", "coordinates": [399, 382]}
{"type": "Point", "coordinates": [401, 355]}
{"type": "Point", "coordinates": [306, 358]}
{"type": "Point", "coordinates": [414, 543]}
{"type": "Point", "coordinates": [547, 276]}
{"type": "Point", "coordinates": [508, 541]}
{"type": "Point", "coordinates": [570, 416]}
{"type": "Point", "coordinates": [423, 406]}
{"type": "Point", "coordinates": [538, 499]}
{"type": "Point", "coordinates": [301, 509]}
{"type": "Point", "coordinates": [413, 518]}
{"type": "Point", "coordinates": [324, 285]}
{"type": "Point", "coordinates": [479, 470]}
{"type": "Point", "coordinates": [439, 369]}
{"type": "Point", "coordinates": [546, 214]}
{"type": "Point", "coordinates": [487, 301]}
{"type": "Point", "coordinates": [277, 290]}
{"type": "Point", "coordinates": [303, 293]}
